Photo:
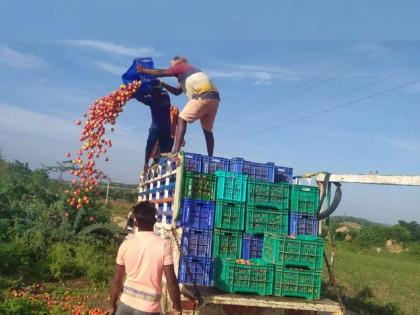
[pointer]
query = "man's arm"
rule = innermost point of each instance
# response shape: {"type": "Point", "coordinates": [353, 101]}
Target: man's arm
{"type": "Point", "coordinates": [155, 72]}
{"type": "Point", "coordinates": [116, 287]}
{"type": "Point", "coordinates": [173, 287]}
{"type": "Point", "coordinates": [174, 90]}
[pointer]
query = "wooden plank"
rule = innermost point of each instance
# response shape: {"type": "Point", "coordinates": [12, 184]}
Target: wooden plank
{"type": "Point", "coordinates": [325, 305]}
{"type": "Point", "coordinates": [402, 180]}
{"type": "Point", "coordinates": [211, 295]}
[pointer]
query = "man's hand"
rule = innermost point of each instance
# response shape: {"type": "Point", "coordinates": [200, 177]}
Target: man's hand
{"type": "Point", "coordinates": [145, 167]}
{"type": "Point", "coordinates": [140, 69]}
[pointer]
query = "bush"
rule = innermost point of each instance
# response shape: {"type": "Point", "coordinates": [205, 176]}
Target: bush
{"type": "Point", "coordinates": [19, 306]}
{"type": "Point", "coordinates": [81, 259]}
{"type": "Point", "coordinates": [378, 235]}
{"type": "Point", "coordinates": [414, 249]}
{"type": "Point", "coordinates": [97, 262]}
{"type": "Point", "coordinates": [63, 263]}
{"type": "Point", "coordinates": [13, 257]}
{"type": "Point", "coordinates": [38, 242]}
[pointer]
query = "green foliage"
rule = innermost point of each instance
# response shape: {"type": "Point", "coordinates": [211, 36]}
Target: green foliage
{"type": "Point", "coordinates": [98, 263]}
{"type": "Point", "coordinates": [13, 256]}
{"type": "Point", "coordinates": [36, 238]}
{"type": "Point", "coordinates": [378, 235]}
{"type": "Point", "coordinates": [120, 191]}
{"type": "Point", "coordinates": [19, 306]}
{"type": "Point", "coordinates": [63, 264]}
{"type": "Point", "coordinates": [414, 249]}
{"type": "Point", "coordinates": [414, 229]}
{"type": "Point", "coordinates": [363, 222]}
{"type": "Point", "coordinates": [71, 260]}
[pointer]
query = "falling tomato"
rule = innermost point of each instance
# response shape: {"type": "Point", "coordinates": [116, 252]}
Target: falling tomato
{"type": "Point", "coordinates": [103, 111]}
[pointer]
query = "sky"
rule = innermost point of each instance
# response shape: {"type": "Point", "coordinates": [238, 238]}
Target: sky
{"type": "Point", "coordinates": [334, 90]}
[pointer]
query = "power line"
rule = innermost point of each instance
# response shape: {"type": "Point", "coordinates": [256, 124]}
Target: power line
{"type": "Point", "coordinates": [324, 111]}
{"type": "Point", "coordinates": [245, 113]}
{"type": "Point", "coordinates": [396, 74]}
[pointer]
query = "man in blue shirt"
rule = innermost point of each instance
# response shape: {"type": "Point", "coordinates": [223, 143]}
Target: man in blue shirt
{"type": "Point", "coordinates": [159, 138]}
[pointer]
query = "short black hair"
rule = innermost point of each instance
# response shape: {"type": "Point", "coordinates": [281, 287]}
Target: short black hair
{"type": "Point", "coordinates": [180, 58]}
{"type": "Point", "coordinates": [145, 214]}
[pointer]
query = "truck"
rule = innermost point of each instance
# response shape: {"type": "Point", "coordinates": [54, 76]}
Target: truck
{"type": "Point", "coordinates": [162, 185]}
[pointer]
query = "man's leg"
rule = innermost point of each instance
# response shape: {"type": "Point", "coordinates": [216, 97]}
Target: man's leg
{"type": "Point", "coordinates": [209, 141]}
{"type": "Point", "coordinates": [207, 122]}
{"type": "Point", "coordinates": [151, 143]}
{"type": "Point", "coordinates": [124, 309]}
{"type": "Point", "coordinates": [181, 128]}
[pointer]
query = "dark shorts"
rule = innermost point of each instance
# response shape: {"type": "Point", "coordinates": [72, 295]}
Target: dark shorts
{"type": "Point", "coordinates": [165, 141]}
{"type": "Point", "coordinates": [124, 309]}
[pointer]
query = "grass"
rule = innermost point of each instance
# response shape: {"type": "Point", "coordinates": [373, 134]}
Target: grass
{"type": "Point", "coordinates": [379, 283]}
{"type": "Point", "coordinates": [120, 209]}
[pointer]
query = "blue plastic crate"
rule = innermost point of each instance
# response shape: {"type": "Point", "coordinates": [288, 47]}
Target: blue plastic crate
{"type": "Point", "coordinates": [199, 270]}
{"type": "Point", "coordinates": [147, 80]}
{"type": "Point", "coordinates": [252, 246]}
{"type": "Point", "coordinates": [213, 164]}
{"type": "Point", "coordinates": [159, 216]}
{"type": "Point", "coordinates": [196, 243]}
{"type": "Point", "coordinates": [259, 171]}
{"type": "Point", "coordinates": [197, 214]}
{"type": "Point", "coordinates": [301, 224]}
{"type": "Point", "coordinates": [193, 162]}
{"type": "Point", "coordinates": [168, 217]}
{"type": "Point", "coordinates": [283, 174]}
{"type": "Point", "coordinates": [161, 207]}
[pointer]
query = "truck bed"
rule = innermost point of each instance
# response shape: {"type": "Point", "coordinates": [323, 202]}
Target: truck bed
{"type": "Point", "coordinates": [215, 302]}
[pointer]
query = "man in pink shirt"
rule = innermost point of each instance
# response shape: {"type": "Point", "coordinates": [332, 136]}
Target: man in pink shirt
{"type": "Point", "coordinates": [143, 260]}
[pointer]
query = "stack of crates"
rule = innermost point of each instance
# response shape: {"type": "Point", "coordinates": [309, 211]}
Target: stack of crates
{"type": "Point", "coordinates": [297, 264]}
{"type": "Point", "coordinates": [303, 207]}
{"type": "Point", "coordinates": [158, 186]}
{"type": "Point", "coordinates": [265, 205]}
{"type": "Point", "coordinates": [274, 263]}
{"type": "Point", "coordinates": [198, 205]}
{"type": "Point", "coordinates": [246, 228]}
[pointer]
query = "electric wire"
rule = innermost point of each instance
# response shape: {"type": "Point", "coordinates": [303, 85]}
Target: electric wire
{"type": "Point", "coordinates": [317, 83]}
{"type": "Point", "coordinates": [324, 111]}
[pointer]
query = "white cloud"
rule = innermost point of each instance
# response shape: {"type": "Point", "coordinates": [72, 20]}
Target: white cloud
{"type": "Point", "coordinates": [260, 75]}
{"type": "Point", "coordinates": [18, 60]}
{"type": "Point", "coordinates": [109, 68]}
{"type": "Point", "coordinates": [113, 48]}
{"type": "Point", "coordinates": [41, 138]}
{"type": "Point", "coordinates": [16, 120]}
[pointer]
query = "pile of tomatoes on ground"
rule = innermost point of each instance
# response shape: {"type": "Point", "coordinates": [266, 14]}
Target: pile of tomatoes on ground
{"type": "Point", "coordinates": [75, 305]}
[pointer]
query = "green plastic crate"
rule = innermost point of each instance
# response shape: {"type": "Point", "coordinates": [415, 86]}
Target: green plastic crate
{"type": "Point", "coordinates": [271, 195]}
{"type": "Point", "coordinates": [258, 277]}
{"type": "Point", "coordinates": [265, 220]}
{"type": "Point", "coordinates": [227, 243]}
{"type": "Point", "coordinates": [199, 186]}
{"type": "Point", "coordinates": [231, 186]}
{"type": "Point", "coordinates": [304, 199]}
{"type": "Point", "coordinates": [302, 251]}
{"type": "Point", "coordinates": [229, 215]}
{"type": "Point", "coordinates": [297, 283]}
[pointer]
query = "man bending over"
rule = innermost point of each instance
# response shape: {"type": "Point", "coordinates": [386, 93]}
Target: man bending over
{"type": "Point", "coordinates": [203, 99]}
